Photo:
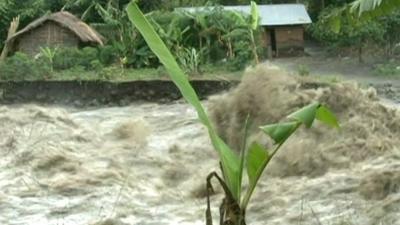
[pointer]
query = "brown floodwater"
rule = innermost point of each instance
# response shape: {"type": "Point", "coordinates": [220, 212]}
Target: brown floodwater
{"type": "Point", "coordinates": [147, 163]}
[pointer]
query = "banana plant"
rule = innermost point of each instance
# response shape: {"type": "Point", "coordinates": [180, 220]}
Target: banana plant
{"type": "Point", "coordinates": [362, 11]}
{"type": "Point", "coordinates": [255, 158]}
{"type": "Point", "coordinates": [374, 8]}
{"type": "Point", "coordinates": [49, 54]}
{"type": "Point", "coordinates": [255, 14]}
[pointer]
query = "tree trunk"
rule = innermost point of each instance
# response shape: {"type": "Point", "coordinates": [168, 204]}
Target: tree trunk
{"type": "Point", "coordinates": [360, 51]}
{"type": "Point", "coordinates": [230, 49]}
{"type": "Point", "coordinates": [229, 211]}
{"type": "Point", "coordinates": [11, 31]}
{"type": "Point", "coordinates": [254, 47]}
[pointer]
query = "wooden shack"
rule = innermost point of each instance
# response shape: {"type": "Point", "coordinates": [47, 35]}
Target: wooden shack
{"type": "Point", "coordinates": [282, 24]}
{"type": "Point", "coordinates": [61, 29]}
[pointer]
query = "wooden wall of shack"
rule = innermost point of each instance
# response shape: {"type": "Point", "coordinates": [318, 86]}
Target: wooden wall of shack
{"type": "Point", "coordinates": [49, 34]}
{"type": "Point", "coordinates": [289, 40]}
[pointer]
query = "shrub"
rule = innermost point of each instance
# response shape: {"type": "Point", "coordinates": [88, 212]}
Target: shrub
{"type": "Point", "coordinates": [87, 56]}
{"type": "Point", "coordinates": [110, 73]}
{"type": "Point", "coordinates": [388, 69]}
{"type": "Point", "coordinates": [108, 55]}
{"type": "Point", "coordinates": [96, 65]}
{"type": "Point", "coordinates": [67, 58]}
{"type": "Point", "coordinates": [190, 60]}
{"type": "Point", "coordinates": [354, 35]}
{"type": "Point", "coordinates": [243, 56]}
{"type": "Point", "coordinates": [211, 35]}
{"type": "Point", "coordinates": [22, 67]}
{"type": "Point", "coordinates": [303, 70]}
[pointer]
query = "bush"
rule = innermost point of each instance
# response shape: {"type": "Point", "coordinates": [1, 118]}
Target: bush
{"type": "Point", "coordinates": [190, 60]}
{"type": "Point", "coordinates": [243, 56]}
{"type": "Point", "coordinates": [67, 58]}
{"type": "Point", "coordinates": [303, 70]}
{"type": "Point", "coordinates": [87, 56]}
{"type": "Point", "coordinates": [96, 65]}
{"type": "Point", "coordinates": [22, 67]}
{"type": "Point", "coordinates": [108, 55]}
{"type": "Point", "coordinates": [110, 73]}
{"type": "Point", "coordinates": [350, 33]}
{"type": "Point", "coordinates": [214, 34]}
{"type": "Point", "coordinates": [388, 69]}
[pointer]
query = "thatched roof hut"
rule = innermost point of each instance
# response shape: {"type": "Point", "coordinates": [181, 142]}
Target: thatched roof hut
{"type": "Point", "coordinates": [58, 29]}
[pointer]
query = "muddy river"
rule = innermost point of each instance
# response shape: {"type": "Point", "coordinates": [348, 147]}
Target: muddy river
{"type": "Point", "coordinates": [146, 164]}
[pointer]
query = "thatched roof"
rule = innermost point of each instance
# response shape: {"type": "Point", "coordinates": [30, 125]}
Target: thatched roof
{"type": "Point", "coordinates": [65, 19]}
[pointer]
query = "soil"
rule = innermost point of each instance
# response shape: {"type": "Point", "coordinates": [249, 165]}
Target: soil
{"type": "Point", "coordinates": [96, 93]}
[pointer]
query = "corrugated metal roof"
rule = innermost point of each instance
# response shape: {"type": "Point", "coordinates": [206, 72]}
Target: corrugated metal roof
{"type": "Point", "coordinates": [271, 15]}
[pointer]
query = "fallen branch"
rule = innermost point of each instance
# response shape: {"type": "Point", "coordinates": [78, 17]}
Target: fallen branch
{"type": "Point", "coordinates": [11, 31]}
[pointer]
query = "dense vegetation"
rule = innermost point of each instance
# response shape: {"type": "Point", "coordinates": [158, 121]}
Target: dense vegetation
{"type": "Point", "coordinates": [198, 40]}
{"type": "Point", "coordinates": [213, 38]}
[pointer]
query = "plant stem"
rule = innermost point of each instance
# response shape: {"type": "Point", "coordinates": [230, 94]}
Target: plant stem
{"type": "Point", "coordinates": [254, 46]}
{"type": "Point", "coordinates": [250, 191]}
{"type": "Point", "coordinates": [242, 154]}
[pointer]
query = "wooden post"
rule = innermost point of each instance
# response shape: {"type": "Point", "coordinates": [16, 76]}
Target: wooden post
{"type": "Point", "coordinates": [11, 31]}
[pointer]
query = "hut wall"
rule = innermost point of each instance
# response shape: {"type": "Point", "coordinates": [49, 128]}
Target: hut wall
{"type": "Point", "coordinates": [289, 38]}
{"type": "Point", "coordinates": [283, 40]}
{"type": "Point", "coordinates": [49, 34]}
{"type": "Point", "coordinates": [265, 37]}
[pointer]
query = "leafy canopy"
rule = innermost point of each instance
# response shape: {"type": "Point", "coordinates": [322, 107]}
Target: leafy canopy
{"type": "Point", "coordinates": [361, 11]}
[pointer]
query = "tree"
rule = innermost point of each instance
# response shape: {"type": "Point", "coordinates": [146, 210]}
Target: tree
{"type": "Point", "coordinates": [373, 8]}
{"type": "Point", "coordinates": [353, 24]}
{"type": "Point", "coordinates": [352, 33]}
{"type": "Point", "coordinates": [362, 11]}
{"type": "Point", "coordinates": [27, 10]}
{"type": "Point", "coordinates": [392, 27]}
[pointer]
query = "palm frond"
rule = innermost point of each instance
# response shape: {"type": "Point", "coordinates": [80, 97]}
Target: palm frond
{"type": "Point", "coordinates": [361, 11]}
{"type": "Point", "coordinates": [373, 8]}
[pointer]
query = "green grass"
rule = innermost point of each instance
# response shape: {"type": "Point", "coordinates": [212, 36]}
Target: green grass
{"type": "Point", "coordinates": [108, 73]}
{"type": "Point", "coordinates": [117, 74]}
{"type": "Point", "coordinates": [329, 79]}
{"type": "Point", "coordinates": [391, 68]}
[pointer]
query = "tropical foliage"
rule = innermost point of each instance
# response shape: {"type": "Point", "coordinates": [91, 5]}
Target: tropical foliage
{"type": "Point", "coordinates": [362, 10]}
{"type": "Point", "coordinates": [374, 8]}
{"type": "Point", "coordinates": [23, 67]}
{"type": "Point", "coordinates": [356, 35]}
{"type": "Point", "coordinates": [213, 36]}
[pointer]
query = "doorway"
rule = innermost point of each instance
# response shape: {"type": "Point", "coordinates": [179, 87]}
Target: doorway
{"type": "Point", "coordinates": [273, 42]}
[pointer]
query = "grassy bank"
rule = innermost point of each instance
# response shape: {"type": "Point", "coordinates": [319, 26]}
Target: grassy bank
{"type": "Point", "coordinates": [80, 65]}
{"type": "Point", "coordinates": [120, 74]}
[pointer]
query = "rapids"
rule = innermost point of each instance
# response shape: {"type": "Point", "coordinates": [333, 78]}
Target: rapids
{"type": "Point", "coordinates": [147, 163]}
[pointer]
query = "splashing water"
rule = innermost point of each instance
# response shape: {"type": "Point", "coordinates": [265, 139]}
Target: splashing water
{"type": "Point", "coordinates": [146, 163]}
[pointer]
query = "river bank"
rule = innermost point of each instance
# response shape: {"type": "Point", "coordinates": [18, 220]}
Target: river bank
{"type": "Point", "coordinates": [98, 93]}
